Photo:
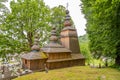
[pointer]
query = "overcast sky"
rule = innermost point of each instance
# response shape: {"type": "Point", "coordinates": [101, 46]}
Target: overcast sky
{"type": "Point", "coordinates": [75, 12]}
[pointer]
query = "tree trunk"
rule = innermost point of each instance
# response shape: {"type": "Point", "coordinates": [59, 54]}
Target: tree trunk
{"type": "Point", "coordinates": [99, 65]}
{"type": "Point", "coordinates": [106, 63]}
{"type": "Point", "coordinates": [117, 60]}
{"type": "Point", "coordinates": [30, 41]}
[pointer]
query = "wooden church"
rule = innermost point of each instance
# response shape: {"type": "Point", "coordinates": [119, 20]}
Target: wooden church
{"type": "Point", "coordinates": [55, 55]}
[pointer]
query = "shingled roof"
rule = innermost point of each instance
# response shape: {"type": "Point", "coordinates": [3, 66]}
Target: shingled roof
{"type": "Point", "coordinates": [54, 46]}
{"type": "Point", "coordinates": [34, 55]}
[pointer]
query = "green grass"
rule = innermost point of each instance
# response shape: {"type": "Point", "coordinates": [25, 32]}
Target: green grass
{"type": "Point", "coordinates": [75, 73]}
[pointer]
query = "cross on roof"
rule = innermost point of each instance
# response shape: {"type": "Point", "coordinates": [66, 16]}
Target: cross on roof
{"type": "Point", "coordinates": [67, 5]}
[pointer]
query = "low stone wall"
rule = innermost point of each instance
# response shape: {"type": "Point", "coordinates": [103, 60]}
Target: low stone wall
{"type": "Point", "coordinates": [9, 78]}
{"type": "Point", "coordinates": [12, 77]}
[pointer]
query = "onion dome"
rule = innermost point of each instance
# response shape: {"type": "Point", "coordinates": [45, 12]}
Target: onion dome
{"type": "Point", "coordinates": [67, 19]}
{"type": "Point", "coordinates": [53, 37]}
{"type": "Point", "coordinates": [35, 52]}
{"type": "Point", "coordinates": [35, 46]}
{"type": "Point", "coordinates": [53, 46]}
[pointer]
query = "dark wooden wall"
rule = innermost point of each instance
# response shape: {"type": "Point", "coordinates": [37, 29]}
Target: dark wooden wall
{"type": "Point", "coordinates": [52, 56]}
{"type": "Point", "coordinates": [66, 63]}
{"type": "Point", "coordinates": [38, 64]}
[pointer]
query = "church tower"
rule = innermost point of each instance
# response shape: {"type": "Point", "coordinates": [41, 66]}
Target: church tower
{"type": "Point", "coordinates": [69, 38]}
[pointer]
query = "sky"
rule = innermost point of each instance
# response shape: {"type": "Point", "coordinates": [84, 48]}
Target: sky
{"type": "Point", "coordinates": [75, 12]}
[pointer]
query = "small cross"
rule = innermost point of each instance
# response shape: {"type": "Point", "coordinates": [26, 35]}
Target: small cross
{"type": "Point", "coordinates": [67, 6]}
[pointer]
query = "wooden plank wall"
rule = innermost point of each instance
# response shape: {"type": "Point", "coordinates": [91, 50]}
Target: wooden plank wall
{"type": "Point", "coordinates": [62, 64]}
{"type": "Point", "coordinates": [53, 56]}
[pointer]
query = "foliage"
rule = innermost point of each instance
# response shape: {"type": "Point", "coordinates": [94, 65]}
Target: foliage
{"type": "Point", "coordinates": [4, 41]}
{"type": "Point", "coordinates": [115, 67]}
{"type": "Point", "coordinates": [84, 47]}
{"type": "Point", "coordinates": [28, 18]}
{"type": "Point", "coordinates": [90, 60]}
{"type": "Point", "coordinates": [3, 10]}
{"type": "Point", "coordinates": [74, 73]}
{"type": "Point", "coordinates": [83, 38]}
{"type": "Point", "coordinates": [58, 15]}
{"type": "Point", "coordinates": [103, 28]}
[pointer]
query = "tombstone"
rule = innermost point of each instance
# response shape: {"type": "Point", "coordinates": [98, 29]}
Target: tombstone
{"type": "Point", "coordinates": [19, 71]}
{"type": "Point", "coordinates": [7, 72]}
{"type": "Point", "coordinates": [13, 72]}
{"type": "Point", "coordinates": [46, 69]}
{"type": "Point", "coordinates": [0, 75]}
{"type": "Point", "coordinates": [0, 68]}
{"type": "Point", "coordinates": [0, 59]}
{"type": "Point", "coordinates": [1, 72]}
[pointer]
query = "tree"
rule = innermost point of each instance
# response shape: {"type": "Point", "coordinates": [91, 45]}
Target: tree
{"type": "Point", "coordinates": [3, 10]}
{"type": "Point", "coordinates": [103, 28]}
{"type": "Point", "coordinates": [27, 18]}
{"type": "Point", "coordinates": [84, 47]}
{"type": "Point", "coordinates": [58, 15]}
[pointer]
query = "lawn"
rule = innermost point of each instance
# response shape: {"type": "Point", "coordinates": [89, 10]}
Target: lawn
{"type": "Point", "coordinates": [75, 73]}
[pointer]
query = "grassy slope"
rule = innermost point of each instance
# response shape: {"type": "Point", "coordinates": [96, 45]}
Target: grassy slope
{"type": "Point", "coordinates": [75, 73]}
